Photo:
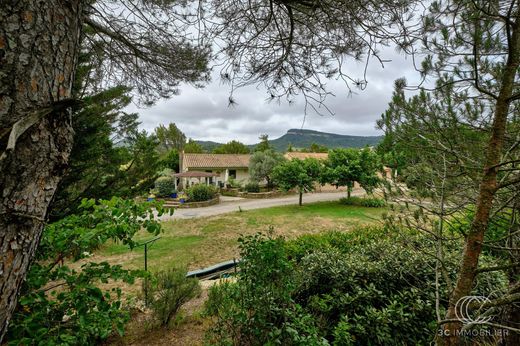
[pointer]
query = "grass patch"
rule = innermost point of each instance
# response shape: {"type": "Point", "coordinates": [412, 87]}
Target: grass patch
{"type": "Point", "coordinates": [201, 242]}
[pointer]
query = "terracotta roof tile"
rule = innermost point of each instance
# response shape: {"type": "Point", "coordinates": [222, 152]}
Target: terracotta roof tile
{"type": "Point", "coordinates": [302, 156]}
{"type": "Point", "coordinates": [215, 160]}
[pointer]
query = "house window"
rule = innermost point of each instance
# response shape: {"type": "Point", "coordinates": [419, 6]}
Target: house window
{"type": "Point", "coordinates": [233, 173]}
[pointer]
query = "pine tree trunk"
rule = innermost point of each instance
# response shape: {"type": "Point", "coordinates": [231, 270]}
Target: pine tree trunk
{"type": "Point", "coordinates": [487, 190]}
{"type": "Point", "coordinates": [39, 43]}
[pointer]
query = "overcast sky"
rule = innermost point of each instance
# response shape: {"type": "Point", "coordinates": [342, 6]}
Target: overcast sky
{"type": "Point", "coordinates": [204, 114]}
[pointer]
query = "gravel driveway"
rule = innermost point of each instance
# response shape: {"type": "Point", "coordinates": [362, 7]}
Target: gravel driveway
{"type": "Point", "coordinates": [231, 204]}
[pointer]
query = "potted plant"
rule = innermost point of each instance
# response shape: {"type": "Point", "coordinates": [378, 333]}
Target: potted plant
{"type": "Point", "coordinates": [173, 194]}
{"type": "Point", "coordinates": [182, 198]}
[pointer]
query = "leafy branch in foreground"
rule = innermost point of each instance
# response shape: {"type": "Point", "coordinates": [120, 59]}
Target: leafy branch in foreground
{"type": "Point", "coordinates": [67, 299]}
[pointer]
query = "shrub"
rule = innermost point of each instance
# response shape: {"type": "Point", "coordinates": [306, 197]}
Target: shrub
{"type": "Point", "coordinates": [168, 290]}
{"type": "Point", "coordinates": [364, 202]}
{"type": "Point", "coordinates": [201, 192]}
{"type": "Point", "coordinates": [233, 183]}
{"type": "Point", "coordinates": [252, 187]}
{"type": "Point", "coordinates": [369, 286]}
{"type": "Point", "coordinates": [165, 186]}
{"type": "Point", "coordinates": [259, 309]}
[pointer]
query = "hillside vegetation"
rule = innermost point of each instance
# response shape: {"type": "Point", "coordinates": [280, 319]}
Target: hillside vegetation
{"type": "Point", "coordinates": [304, 138]}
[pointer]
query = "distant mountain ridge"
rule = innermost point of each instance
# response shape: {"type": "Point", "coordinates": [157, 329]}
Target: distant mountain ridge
{"type": "Point", "coordinates": [299, 139]}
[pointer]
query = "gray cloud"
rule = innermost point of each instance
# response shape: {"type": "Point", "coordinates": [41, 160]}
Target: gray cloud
{"type": "Point", "coordinates": [204, 113]}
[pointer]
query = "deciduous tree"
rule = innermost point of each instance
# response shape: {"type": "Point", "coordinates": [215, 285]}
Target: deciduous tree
{"type": "Point", "coordinates": [344, 167]}
{"type": "Point", "coordinates": [298, 174]}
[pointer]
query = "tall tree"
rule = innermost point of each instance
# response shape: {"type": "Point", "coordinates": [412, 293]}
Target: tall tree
{"type": "Point", "coordinates": [232, 147]}
{"type": "Point", "coordinates": [472, 51]}
{"type": "Point", "coordinates": [264, 144]}
{"type": "Point", "coordinates": [262, 163]}
{"type": "Point", "coordinates": [298, 174]}
{"type": "Point", "coordinates": [170, 138]}
{"type": "Point", "coordinates": [40, 42]}
{"type": "Point", "coordinates": [193, 147]}
{"type": "Point", "coordinates": [102, 135]}
{"type": "Point", "coordinates": [473, 48]}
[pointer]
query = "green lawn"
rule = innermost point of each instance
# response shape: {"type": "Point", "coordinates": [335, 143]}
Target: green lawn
{"type": "Point", "coordinates": [200, 242]}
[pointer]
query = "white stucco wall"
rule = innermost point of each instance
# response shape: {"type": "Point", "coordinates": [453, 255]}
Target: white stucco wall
{"type": "Point", "coordinates": [242, 175]}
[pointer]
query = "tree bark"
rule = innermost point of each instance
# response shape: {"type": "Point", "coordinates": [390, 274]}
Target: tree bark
{"type": "Point", "coordinates": [300, 201]}
{"type": "Point", "coordinates": [487, 191]}
{"type": "Point", "coordinates": [39, 44]}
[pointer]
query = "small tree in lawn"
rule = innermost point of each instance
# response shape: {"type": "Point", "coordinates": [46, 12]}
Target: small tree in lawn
{"type": "Point", "coordinates": [346, 166]}
{"type": "Point", "coordinates": [297, 174]}
{"type": "Point", "coordinates": [262, 163]}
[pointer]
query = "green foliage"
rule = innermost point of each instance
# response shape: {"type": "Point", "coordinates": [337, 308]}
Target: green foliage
{"type": "Point", "coordinates": [169, 138]}
{"type": "Point", "coordinates": [193, 147]}
{"type": "Point", "coordinates": [258, 309]}
{"type": "Point", "coordinates": [316, 148]}
{"type": "Point", "coordinates": [168, 290]}
{"type": "Point", "coordinates": [262, 163]}
{"type": "Point", "coordinates": [346, 166]}
{"type": "Point", "coordinates": [171, 160]}
{"type": "Point", "coordinates": [233, 147]}
{"type": "Point", "coordinates": [370, 286]}
{"type": "Point", "coordinates": [301, 138]}
{"type": "Point", "coordinates": [201, 192]}
{"type": "Point", "coordinates": [165, 185]}
{"type": "Point", "coordinates": [264, 144]}
{"type": "Point", "coordinates": [234, 183]}
{"type": "Point", "coordinates": [364, 202]}
{"type": "Point", "coordinates": [252, 186]}
{"type": "Point", "coordinates": [107, 153]}
{"type": "Point", "coordinates": [61, 305]}
{"type": "Point", "coordinates": [297, 174]}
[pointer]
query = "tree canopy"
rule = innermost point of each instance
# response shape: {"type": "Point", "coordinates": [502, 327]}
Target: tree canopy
{"type": "Point", "coordinates": [262, 163]}
{"type": "Point", "coordinates": [344, 167]}
{"type": "Point", "coordinates": [193, 147]}
{"type": "Point", "coordinates": [169, 138]}
{"type": "Point", "coordinates": [292, 47]}
{"type": "Point", "coordinates": [232, 147]}
{"type": "Point", "coordinates": [297, 174]}
{"type": "Point", "coordinates": [264, 144]}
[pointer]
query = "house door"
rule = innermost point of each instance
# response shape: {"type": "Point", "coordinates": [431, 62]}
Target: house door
{"type": "Point", "coordinates": [210, 179]}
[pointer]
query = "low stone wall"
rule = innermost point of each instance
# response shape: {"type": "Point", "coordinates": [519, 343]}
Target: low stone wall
{"type": "Point", "coordinates": [230, 192]}
{"type": "Point", "coordinates": [260, 195]}
{"type": "Point", "coordinates": [213, 201]}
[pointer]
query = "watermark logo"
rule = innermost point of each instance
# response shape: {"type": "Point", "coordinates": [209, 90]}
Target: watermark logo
{"type": "Point", "coordinates": [468, 310]}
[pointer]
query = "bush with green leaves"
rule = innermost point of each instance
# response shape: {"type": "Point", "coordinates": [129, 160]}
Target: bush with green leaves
{"type": "Point", "coordinates": [370, 202]}
{"type": "Point", "coordinates": [370, 286]}
{"type": "Point", "coordinates": [64, 305]}
{"type": "Point", "coordinates": [168, 290]}
{"type": "Point", "coordinates": [252, 186]}
{"type": "Point", "coordinates": [165, 185]}
{"type": "Point", "coordinates": [201, 192]}
{"type": "Point", "coordinates": [258, 309]}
